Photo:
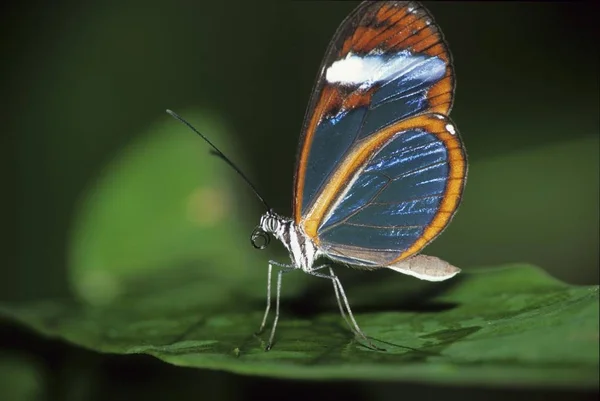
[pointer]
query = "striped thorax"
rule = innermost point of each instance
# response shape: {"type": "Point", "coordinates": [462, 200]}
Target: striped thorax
{"type": "Point", "coordinates": [302, 250]}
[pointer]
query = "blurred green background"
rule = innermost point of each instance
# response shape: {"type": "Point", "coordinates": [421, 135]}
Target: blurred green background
{"type": "Point", "coordinates": [90, 160]}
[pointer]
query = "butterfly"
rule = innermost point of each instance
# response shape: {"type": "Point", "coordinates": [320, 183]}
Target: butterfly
{"type": "Point", "coordinates": [380, 167]}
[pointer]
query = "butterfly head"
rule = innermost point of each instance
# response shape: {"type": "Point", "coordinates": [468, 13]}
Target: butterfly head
{"type": "Point", "coordinates": [270, 223]}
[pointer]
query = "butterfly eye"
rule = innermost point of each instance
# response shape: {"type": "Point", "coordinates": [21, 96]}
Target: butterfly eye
{"type": "Point", "coordinates": [259, 238]}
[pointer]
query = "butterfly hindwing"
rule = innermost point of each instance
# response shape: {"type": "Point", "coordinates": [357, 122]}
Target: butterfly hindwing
{"type": "Point", "coordinates": [399, 199]}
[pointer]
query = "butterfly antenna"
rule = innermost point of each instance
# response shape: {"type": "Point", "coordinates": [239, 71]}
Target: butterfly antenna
{"type": "Point", "coordinates": [215, 151]}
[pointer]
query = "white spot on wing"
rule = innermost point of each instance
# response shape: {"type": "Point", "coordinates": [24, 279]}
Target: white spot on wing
{"type": "Point", "coordinates": [450, 128]}
{"type": "Point", "coordinates": [370, 69]}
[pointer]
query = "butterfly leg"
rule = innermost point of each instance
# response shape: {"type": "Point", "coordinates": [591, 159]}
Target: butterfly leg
{"type": "Point", "coordinates": [284, 269]}
{"type": "Point", "coordinates": [337, 293]}
{"type": "Point", "coordinates": [340, 296]}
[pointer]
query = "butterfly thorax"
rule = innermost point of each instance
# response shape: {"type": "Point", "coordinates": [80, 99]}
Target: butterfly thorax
{"type": "Point", "coordinates": [301, 248]}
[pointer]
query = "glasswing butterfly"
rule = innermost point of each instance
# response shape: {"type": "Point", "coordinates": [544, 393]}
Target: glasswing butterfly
{"type": "Point", "coordinates": [380, 167]}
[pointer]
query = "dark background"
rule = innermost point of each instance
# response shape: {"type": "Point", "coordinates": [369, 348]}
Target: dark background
{"type": "Point", "coordinates": [82, 81]}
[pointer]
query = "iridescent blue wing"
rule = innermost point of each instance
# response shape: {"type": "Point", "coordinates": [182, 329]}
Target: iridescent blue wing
{"type": "Point", "coordinates": [381, 167]}
{"type": "Point", "coordinates": [387, 61]}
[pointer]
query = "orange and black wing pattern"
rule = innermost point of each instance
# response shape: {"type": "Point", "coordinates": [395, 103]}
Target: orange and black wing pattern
{"type": "Point", "coordinates": [381, 167]}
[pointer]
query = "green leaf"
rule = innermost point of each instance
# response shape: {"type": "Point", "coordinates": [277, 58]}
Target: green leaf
{"type": "Point", "coordinates": [509, 326]}
{"type": "Point", "coordinates": [160, 264]}
{"type": "Point", "coordinates": [163, 201]}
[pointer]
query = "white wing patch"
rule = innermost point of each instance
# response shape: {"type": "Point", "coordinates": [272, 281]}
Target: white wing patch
{"type": "Point", "coordinates": [354, 70]}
